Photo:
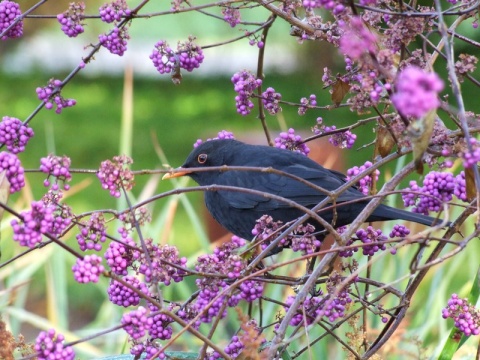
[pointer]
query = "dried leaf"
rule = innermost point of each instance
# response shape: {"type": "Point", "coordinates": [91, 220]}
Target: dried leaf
{"type": "Point", "coordinates": [470, 184]}
{"type": "Point", "coordinates": [340, 89]}
{"type": "Point", "coordinates": [384, 142]}
{"type": "Point", "coordinates": [420, 132]}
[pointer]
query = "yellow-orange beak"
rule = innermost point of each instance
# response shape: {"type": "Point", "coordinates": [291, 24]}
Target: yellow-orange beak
{"type": "Point", "coordinates": [176, 173]}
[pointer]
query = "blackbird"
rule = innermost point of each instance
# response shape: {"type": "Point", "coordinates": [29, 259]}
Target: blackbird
{"type": "Point", "coordinates": [238, 211]}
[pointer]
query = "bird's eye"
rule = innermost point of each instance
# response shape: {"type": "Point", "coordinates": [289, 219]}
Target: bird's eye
{"type": "Point", "coordinates": [202, 158]}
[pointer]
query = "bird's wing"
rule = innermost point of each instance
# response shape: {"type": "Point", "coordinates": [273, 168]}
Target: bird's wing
{"type": "Point", "coordinates": [283, 186]}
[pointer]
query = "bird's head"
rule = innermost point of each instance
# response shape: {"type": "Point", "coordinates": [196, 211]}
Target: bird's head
{"type": "Point", "coordinates": [208, 154]}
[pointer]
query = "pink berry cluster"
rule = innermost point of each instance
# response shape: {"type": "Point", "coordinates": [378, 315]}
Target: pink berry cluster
{"type": "Point", "coordinates": [114, 11]}
{"type": "Point", "coordinates": [161, 328]}
{"type": "Point", "coordinates": [304, 240]}
{"type": "Point", "coordinates": [121, 255]}
{"type": "Point", "coordinates": [343, 140]}
{"type": "Point", "coordinates": [88, 269]}
{"type": "Point", "coordinates": [223, 134]}
{"type": "Point", "coordinates": [266, 230]}
{"type": "Point", "coordinates": [50, 95]}
{"type": "Point", "coordinates": [226, 263]}
{"type": "Point", "coordinates": [122, 295]}
{"type": "Point", "coordinates": [245, 84]}
{"type": "Point", "coordinates": [372, 236]}
{"type": "Point", "coordinates": [357, 39]}
{"type": "Point", "coordinates": [438, 188]}
{"type": "Point", "coordinates": [465, 315]}
{"type": "Point", "coordinates": [163, 57]}
{"type": "Point", "coordinates": [289, 141]}
{"type": "Point", "coordinates": [115, 175]}
{"type": "Point", "coordinates": [317, 307]}
{"type": "Point", "coordinates": [188, 56]}
{"type": "Point", "coordinates": [231, 15]}
{"type": "Point", "coordinates": [93, 233]}
{"type": "Point", "coordinates": [14, 134]}
{"type": "Point", "coordinates": [13, 171]}
{"type": "Point", "coordinates": [335, 6]}
{"type": "Point", "coordinates": [307, 103]}
{"type": "Point", "coordinates": [9, 11]}
{"type": "Point", "coordinates": [57, 167]}
{"type": "Point", "coordinates": [72, 20]}
{"type": "Point", "coordinates": [151, 349]}
{"type": "Point", "coordinates": [471, 157]}
{"type": "Point", "coordinates": [270, 100]}
{"type": "Point", "coordinates": [115, 40]}
{"type": "Point", "coordinates": [164, 266]}
{"type": "Point", "coordinates": [50, 345]}
{"type": "Point", "coordinates": [366, 182]}
{"type": "Point", "coordinates": [416, 92]}
{"type": "Point", "coordinates": [145, 326]}
{"type": "Point", "coordinates": [39, 220]}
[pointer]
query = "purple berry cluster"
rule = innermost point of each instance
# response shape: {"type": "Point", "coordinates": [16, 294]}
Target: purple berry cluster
{"type": "Point", "coordinates": [115, 175]}
{"type": "Point", "coordinates": [460, 190]}
{"type": "Point", "coordinates": [465, 315]}
{"type": "Point", "coordinates": [13, 171]}
{"type": "Point", "coordinates": [245, 84]}
{"type": "Point", "coordinates": [88, 269]}
{"type": "Point", "coordinates": [14, 134]}
{"type": "Point", "coordinates": [317, 307]}
{"type": "Point", "coordinates": [306, 104]}
{"type": "Point", "coordinates": [416, 92]}
{"type": "Point", "coordinates": [161, 328]}
{"type": "Point", "coordinates": [357, 39]}
{"type": "Point", "coordinates": [399, 231]}
{"type": "Point", "coordinates": [9, 11]}
{"type": "Point", "coordinates": [50, 94]}
{"type": "Point", "coordinates": [366, 182]}
{"type": "Point", "coordinates": [93, 233]}
{"type": "Point", "coordinates": [115, 41]}
{"type": "Point", "coordinates": [231, 15]}
{"type": "Point", "coordinates": [165, 264]}
{"type": "Point", "coordinates": [234, 347]}
{"type": "Point", "coordinates": [188, 56]}
{"type": "Point", "coordinates": [57, 167]}
{"type": "Point", "coordinates": [266, 230]}
{"type": "Point", "coordinates": [345, 139]}
{"type": "Point", "coordinates": [163, 57]}
{"type": "Point", "coordinates": [471, 157]}
{"type": "Point", "coordinates": [270, 100]}
{"type": "Point", "coordinates": [120, 255]}
{"type": "Point", "coordinates": [50, 345]}
{"type": "Point", "coordinates": [72, 19]}
{"type": "Point", "coordinates": [372, 236]}
{"type": "Point", "coordinates": [223, 134]}
{"type": "Point", "coordinates": [335, 6]}
{"type": "Point", "coordinates": [224, 262]}
{"type": "Point", "coordinates": [136, 323]}
{"type": "Point", "coordinates": [34, 223]}
{"type": "Point", "coordinates": [122, 295]}
{"type": "Point", "coordinates": [288, 140]}
{"type": "Point", "coordinates": [251, 290]}
{"type": "Point", "coordinates": [304, 240]}
{"type": "Point", "coordinates": [438, 188]}
{"type": "Point", "coordinates": [114, 11]}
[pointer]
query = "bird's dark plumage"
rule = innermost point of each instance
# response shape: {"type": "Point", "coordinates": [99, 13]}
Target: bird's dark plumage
{"type": "Point", "coordinates": [238, 211]}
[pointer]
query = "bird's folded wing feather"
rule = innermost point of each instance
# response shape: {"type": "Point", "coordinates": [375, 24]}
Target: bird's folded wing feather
{"type": "Point", "coordinates": [283, 186]}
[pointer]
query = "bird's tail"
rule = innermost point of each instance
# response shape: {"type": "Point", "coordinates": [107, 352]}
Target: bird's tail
{"type": "Point", "coordinates": [384, 212]}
